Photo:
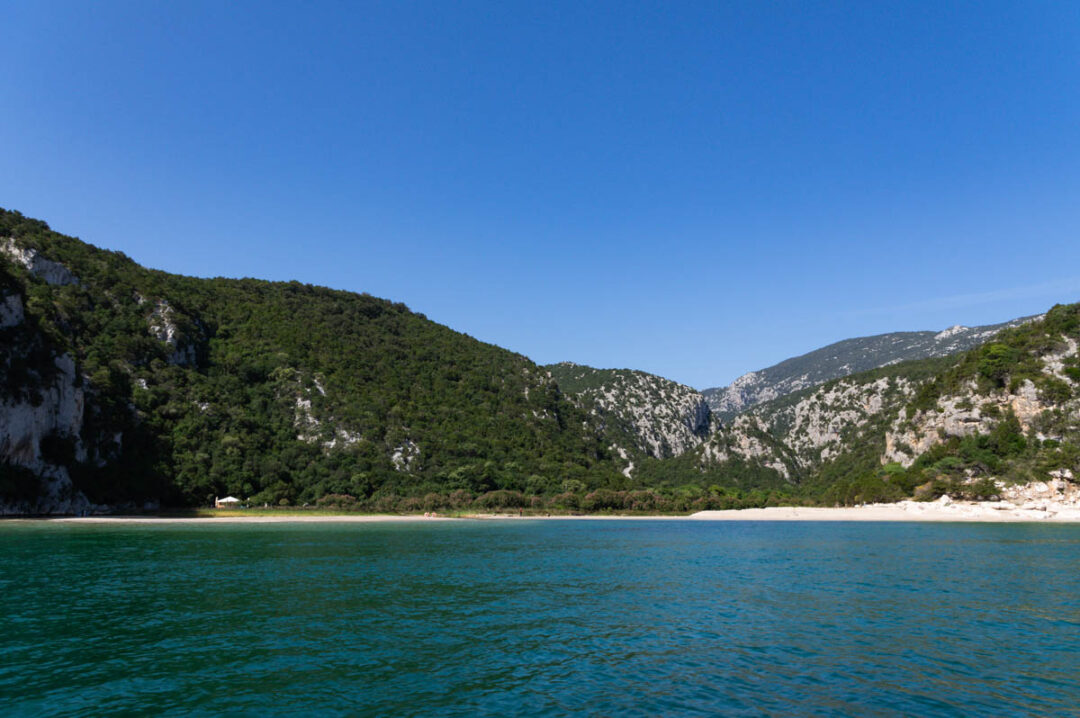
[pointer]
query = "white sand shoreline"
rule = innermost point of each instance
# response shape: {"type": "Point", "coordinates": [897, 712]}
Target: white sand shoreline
{"type": "Point", "coordinates": [321, 519]}
{"type": "Point", "coordinates": [913, 511]}
{"type": "Point", "coordinates": [253, 519]}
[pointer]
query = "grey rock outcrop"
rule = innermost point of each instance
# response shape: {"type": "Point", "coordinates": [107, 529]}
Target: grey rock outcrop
{"type": "Point", "coordinates": [163, 328]}
{"type": "Point", "coordinates": [52, 272]}
{"type": "Point", "coordinates": [844, 358]}
{"type": "Point", "coordinates": [26, 424]}
{"type": "Point", "coordinates": [663, 418]}
{"type": "Point", "coordinates": [969, 412]}
{"type": "Point", "coordinates": [794, 435]}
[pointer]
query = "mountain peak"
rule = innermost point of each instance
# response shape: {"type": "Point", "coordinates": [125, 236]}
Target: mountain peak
{"type": "Point", "coordinates": [950, 332]}
{"type": "Point", "coordinates": [843, 358]}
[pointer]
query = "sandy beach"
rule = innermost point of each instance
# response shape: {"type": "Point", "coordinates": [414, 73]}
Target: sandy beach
{"type": "Point", "coordinates": [251, 519]}
{"type": "Point", "coordinates": [943, 510]}
{"type": "Point", "coordinates": [334, 518]}
{"type": "Point", "coordinates": [990, 511]}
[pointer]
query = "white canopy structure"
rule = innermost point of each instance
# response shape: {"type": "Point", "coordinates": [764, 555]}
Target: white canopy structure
{"type": "Point", "coordinates": [227, 501]}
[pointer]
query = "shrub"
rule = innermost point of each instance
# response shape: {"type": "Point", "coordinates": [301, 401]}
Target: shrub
{"type": "Point", "coordinates": [1054, 390]}
{"type": "Point", "coordinates": [996, 361]}
{"type": "Point", "coordinates": [604, 499]}
{"type": "Point", "coordinates": [566, 500]}
{"type": "Point", "coordinates": [338, 501]}
{"type": "Point", "coordinates": [643, 501]}
{"type": "Point", "coordinates": [984, 489]}
{"type": "Point", "coordinates": [501, 499]}
{"type": "Point", "coordinates": [459, 499]}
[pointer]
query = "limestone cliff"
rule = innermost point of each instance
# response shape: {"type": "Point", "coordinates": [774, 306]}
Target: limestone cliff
{"type": "Point", "coordinates": [795, 434]}
{"type": "Point", "coordinates": [662, 418]}
{"type": "Point", "coordinates": [40, 423]}
{"type": "Point", "coordinates": [844, 358]}
{"type": "Point", "coordinates": [53, 273]}
{"type": "Point", "coordinates": [1050, 412]}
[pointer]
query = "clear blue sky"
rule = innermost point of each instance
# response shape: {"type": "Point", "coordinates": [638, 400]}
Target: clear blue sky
{"type": "Point", "coordinates": [696, 190]}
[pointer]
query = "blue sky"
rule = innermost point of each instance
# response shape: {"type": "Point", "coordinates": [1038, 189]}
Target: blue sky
{"type": "Point", "coordinates": [696, 190]}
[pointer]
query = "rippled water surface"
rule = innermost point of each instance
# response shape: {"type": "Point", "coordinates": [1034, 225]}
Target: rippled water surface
{"type": "Point", "coordinates": [557, 617]}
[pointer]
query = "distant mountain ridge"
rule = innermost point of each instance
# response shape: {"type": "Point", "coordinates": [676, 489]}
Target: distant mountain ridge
{"type": "Point", "coordinates": [844, 358]}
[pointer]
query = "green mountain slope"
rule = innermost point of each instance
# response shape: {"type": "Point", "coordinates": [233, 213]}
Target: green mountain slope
{"type": "Point", "coordinates": [1007, 411]}
{"type": "Point", "coordinates": [182, 389]}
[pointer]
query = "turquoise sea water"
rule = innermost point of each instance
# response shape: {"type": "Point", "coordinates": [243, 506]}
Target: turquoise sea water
{"type": "Point", "coordinates": [532, 617]}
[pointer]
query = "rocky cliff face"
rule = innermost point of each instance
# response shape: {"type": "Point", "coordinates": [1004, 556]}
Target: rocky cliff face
{"type": "Point", "coordinates": [843, 359]}
{"type": "Point", "coordinates": [795, 434]}
{"type": "Point", "coordinates": [795, 419]}
{"type": "Point", "coordinates": [972, 410]}
{"type": "Point", "coordinates": [50, 429]}
{"type": "Point", "coordinates": [40, 422]}
{"type": "Point", "coordinates": [26, 431]}
{"type": "Point", "coordinates": [662, 418]}
{"type": "Point", "coordinates": [12, 312]}
{"type": "Point", "coordinates": [822, 425]}
{"type": "Point", "coordinates": [163, 327]}
{"type": "Point", "coordinates": [53, 273]}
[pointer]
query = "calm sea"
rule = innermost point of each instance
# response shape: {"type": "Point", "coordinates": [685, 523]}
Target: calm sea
{"type": "Point", "coordinates": [540, 618]}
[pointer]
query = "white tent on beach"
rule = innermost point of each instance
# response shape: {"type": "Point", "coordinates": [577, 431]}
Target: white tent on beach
{"type": "Point", "coordinates": [227, 502]}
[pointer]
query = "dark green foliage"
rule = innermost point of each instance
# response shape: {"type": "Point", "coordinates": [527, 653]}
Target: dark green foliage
{"type": "Point", "coordinates": [577, 379]}
{"type": "Point", "coordinates": [864, 489]}
{"type": "Point", "coordinates": [685, 470]}
{"type": "Point", "coordinates": [996, 361]}
{"type": "Point", "coordinates": [378, 377]}
{"type": "Point", "coordinates": [1053, 390]}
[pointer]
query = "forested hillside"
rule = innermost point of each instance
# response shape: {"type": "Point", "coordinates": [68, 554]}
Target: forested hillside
{"type": "Point", "coordinates": [123, 387]}
{"type": "Point", "coordinates": [182, 389]}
